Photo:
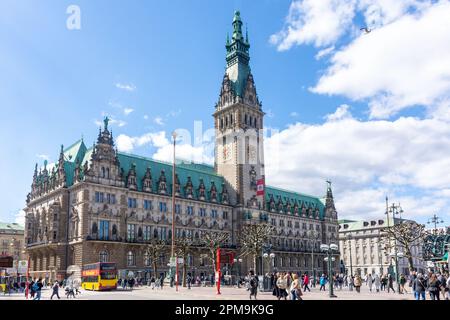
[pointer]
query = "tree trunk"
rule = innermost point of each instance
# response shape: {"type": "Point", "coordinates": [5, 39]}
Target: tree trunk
{"type": "Point", "coordinates": [410, 259]}
{"type": "Point", "coordinates": [155, 271]}
{"type": "Point", "coordinates": [254, 263]}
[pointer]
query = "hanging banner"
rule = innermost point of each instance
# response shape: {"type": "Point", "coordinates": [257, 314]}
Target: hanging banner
{"type": "Point", "coordinates": [260, 187]}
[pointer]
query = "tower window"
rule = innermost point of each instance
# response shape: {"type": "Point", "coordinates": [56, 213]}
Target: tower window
{"type": "Point", "coordinates": [226, 121]}
{"type": "Point", "coordinates": [231, 119]}
{"type": "Point", "coordinates": [221, 123]}
{"type": "Point", "coordinates": [245, 119]}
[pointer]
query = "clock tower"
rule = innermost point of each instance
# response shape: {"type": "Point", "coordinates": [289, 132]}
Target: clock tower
{"type": "Point", "coordinates": [239, 148]}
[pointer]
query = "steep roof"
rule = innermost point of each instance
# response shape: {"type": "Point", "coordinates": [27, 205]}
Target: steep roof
{"type": "Point", "coordinates": [6, 227]}
{"type": "Point", "coordinates": [285, 195]}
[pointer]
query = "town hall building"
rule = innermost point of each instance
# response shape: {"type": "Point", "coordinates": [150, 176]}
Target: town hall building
{"type": "Point", "coordinates": [98, 204]}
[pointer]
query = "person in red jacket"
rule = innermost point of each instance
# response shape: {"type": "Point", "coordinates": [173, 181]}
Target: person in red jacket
{"type": "Point", "coordinates": [306, 282]}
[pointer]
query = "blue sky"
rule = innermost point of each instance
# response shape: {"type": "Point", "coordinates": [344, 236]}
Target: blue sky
{"type": "Point", "coordinates": [154, 66]}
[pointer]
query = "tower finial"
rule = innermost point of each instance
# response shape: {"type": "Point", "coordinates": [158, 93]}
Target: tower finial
{"type": "Point", "coordinates": [106, 121]}
{"type": "Point", "coordinates": [246, 33]}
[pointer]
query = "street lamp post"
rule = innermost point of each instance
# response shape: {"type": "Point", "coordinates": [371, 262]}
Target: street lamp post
{"type": "Point", "coordinates": [312, 236]}
{"type": "Point", "coordinates": [329, 250]}
{"type": "Point", "coordinates": [435, 220]}
{"type": "Point", "coordinates": [394, 209]}
{"type": "Point", "coordinates": [349, 238]}
{"type": "Point", "coordinates": [172, 254]}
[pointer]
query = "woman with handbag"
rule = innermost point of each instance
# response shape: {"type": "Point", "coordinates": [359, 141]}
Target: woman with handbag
{"type": "Point", "coordinates": [434, 286]}
{"type": "Point", "coordinates": [295, 289]}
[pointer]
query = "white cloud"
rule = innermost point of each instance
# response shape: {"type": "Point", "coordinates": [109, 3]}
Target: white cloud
{"type": "Point", "coordinates": [294, 114]}
{"type": "Point", "coordinates": [125, 86]}
{"type": "Point", "coordinates": [164, 147]}
{"type": "Point", "coordinates": [342, 112]}
{"type": "Point", "coordinates": [20, 218]}
{"type": "Point", "coordinates": [366, 160]}
{"type": "Point", "coordinates": [315, 22]}
{"type": "Point", "coordinates": [145, 117]}
{"type": "Point", "coordinates": [43, 156]}
{"type": "Point", "coordinates": [324, 52]}
{"type": "Point", "coordinates": [158, 120]}
{"type": "Point", "coordinates": [403, 62]}
{"type": "Point", "coordinates": [127, 111]}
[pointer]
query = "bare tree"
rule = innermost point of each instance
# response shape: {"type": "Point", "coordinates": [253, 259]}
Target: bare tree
{"type": "Point", "coordinates": [213, 241]}
{"type": "Point", "coordinates": [154, 249]}
{"type": "Point", "coordinates": [183, 249]}
{"type": "Point", "coordinates": [406, 234]}
{"type": "Point", "coordinates": [253, 238]}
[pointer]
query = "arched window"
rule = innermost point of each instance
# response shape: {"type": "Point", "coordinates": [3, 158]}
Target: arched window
{"type": "Point", "coordinates": [114, 230]}
{"type": "Point", "coordinates": [103, 256]}
{"type": "Point", "coordinates": [245, 119]}
{"type": "Point", "coordinates": [140, 232]}
{"type": "Point", "coordinates": [196, 235]}
{"type": "Point", "coordinates": [131, 259]}
{"type": "Point", "coordinates": [103, 172]}
{"type": "Point", "coordinates": [107, 173]}
{"type": "Point", "coordinates": [155, 233]}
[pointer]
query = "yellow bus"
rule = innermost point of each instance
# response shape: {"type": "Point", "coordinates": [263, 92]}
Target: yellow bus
{"type": "Point", "coordinates": [99, 276]}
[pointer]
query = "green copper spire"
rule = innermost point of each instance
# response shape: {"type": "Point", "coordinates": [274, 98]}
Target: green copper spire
{"type": "Point", "coordinates": [238, 58]}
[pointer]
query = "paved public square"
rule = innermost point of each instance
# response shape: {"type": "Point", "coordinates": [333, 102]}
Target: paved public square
{"type": "Point", "coordinates": [209, 293]}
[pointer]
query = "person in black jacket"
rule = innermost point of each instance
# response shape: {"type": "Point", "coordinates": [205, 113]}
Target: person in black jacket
{"type": "Point", "coordinates": [420, 286]}
{"type": "Point", "coordinates": [434, 286]}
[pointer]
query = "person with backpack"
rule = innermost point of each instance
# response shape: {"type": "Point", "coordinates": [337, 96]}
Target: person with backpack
{"type": "Point", "coordinates": [420, 286]}
{"type": "Point", "coordinates": [323, 282]}
{"type": "Point", "coordinates": [390, 283]}
{"type": "Point", "coordinates": [55, 290]}
{"type": "Point", "coordinates": [37, 287]}
{"type": "Point", "coordinates": [434, 286]}
{"type": "Point", "coordinates": [253, 284]}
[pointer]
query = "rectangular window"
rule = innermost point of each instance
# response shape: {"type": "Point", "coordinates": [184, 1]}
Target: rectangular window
{"type": "Point", "coordinates": [202, 212]}
{"type": "Point", "coordinates": [103, 231]}
{"type": "Point", "coordinates": [147, 233]}
{"type": "Point", "coordinates": [190, 210]}
{"type": "Point", "coordinates": [178, 208]}
{"type": "Point", "coordinates": [132, 203]}
{"type": "Point", "coordinates": [131, 232]}
{"type": "Point", "coordinates": [147, 204]}
{"type": "Point", "coordinates": [225, 215]}
{"type": "Point", "coordinates": [213, 213]}
{"type": "Point", "coordinates": [304, 226]}
{"type": "Point", "coordinates": [162, 207]}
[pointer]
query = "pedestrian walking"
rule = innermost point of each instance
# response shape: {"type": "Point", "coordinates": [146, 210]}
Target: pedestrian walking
{"type": "Point", "coordinates": [322, 282]}
{"type": "Point", "coordinates": [253, 284]}
{"type": "Point", "coordinates": [357, 283]}
{"type": "Point", "coordinates": [37, 286]}
{"type": "Point", "coordinates": [305, 283]}
{"type": "Point", "coordinates": [55, 289]}
{"type": "Point", "coordinates": [377, 282]}
{"type": "Point", "coordinates": [420, 287]}
{"type": "Point", "coordinates": [161, 281]}
{"type": "Point", "coordinates": [369, 282]}
{"type": "Point", "coordinates": [402, 284]}
{"type": "Point", "coordinates": [390, 283]}
{"type": "Point", "coordinates": [281, 284]}
{"type": "Point", "coordinates": [434, 287]}
{"type": "Point", "coordinates": [189, 280]}
{"type": "Point", "coordinates": [152, 282]}
{"type": "Point", "coordinates": [295, 289]}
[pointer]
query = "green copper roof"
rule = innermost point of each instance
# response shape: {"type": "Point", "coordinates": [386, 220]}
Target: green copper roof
{"type": "Point", "coordinates": [11, 227]}
{"type": "Point", "coordinates": [184, 171]}
{"type": "Point", "coordinates": [285, 195]}
{"type": "Point", "coordinates": [238, 57]}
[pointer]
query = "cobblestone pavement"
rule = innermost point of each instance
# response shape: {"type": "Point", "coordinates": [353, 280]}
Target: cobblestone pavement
{"type": "Point", "coordinates": [209, 293]}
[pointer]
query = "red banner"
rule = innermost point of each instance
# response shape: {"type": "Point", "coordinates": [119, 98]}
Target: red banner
{"type": "Point", "coordinates": [260, 187]}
